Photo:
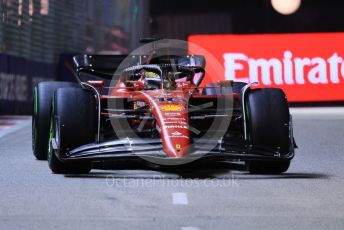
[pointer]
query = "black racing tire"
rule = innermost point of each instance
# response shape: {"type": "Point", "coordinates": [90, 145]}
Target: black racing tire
{"type": "Point", "coordinates": [73, 124]}
{"type": "Point", "coordinates": [268, 121]}
{"type": "Point", "coordinates": [225, 87]}
{"type": "Point", "coordinates": [267, 167]}
{"type": "Point", "coordinates": [41, 115]}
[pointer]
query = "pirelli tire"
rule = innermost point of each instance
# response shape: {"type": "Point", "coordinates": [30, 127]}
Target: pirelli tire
{"type": "Point", "coordinates": [73, 124]}
{"type": "Point", "coordinates": [41, 115]}
{"type": "Point", "coordinates": [268, 121]}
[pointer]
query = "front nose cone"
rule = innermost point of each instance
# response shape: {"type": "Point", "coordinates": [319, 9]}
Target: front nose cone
{"type": "Point", "coordinates": [176, 150]}
{"type": "Point", "coordinates": [172, 120]}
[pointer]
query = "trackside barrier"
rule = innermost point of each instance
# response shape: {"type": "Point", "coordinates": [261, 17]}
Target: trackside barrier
{"type": "Point", "coordinates": [17, 78]}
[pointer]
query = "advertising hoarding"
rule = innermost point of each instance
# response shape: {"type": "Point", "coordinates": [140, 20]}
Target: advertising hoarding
{"type": "Point", "coordinates": [308, 67]}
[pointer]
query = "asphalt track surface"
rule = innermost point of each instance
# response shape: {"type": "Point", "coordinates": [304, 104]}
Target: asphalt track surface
{"type": "Point", "coordinates": [224, 196]}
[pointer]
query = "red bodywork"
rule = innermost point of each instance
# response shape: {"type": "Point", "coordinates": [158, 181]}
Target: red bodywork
{"type": "Point", "coordinates": [157, 110]}
{"type": "Point", "coordinates": [171, 116]}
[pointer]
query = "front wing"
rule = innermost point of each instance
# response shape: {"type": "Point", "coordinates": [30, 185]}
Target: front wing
{"type": "Point", "coordinates": [131, 148]}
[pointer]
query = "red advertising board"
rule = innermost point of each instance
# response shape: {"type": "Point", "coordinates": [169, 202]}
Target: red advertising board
{"type": "Point", "coordinates": [308, 67]}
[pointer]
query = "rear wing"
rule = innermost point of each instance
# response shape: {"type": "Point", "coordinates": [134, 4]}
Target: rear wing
{"type": "Point", "coordinates": [105, 66]}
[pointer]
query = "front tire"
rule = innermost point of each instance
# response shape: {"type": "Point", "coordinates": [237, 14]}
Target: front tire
{"type": "Point", "coordinates": [73, 122]}
{"type": "Point", "coordinates": [41, 116]}
{"type": "Point", "coordinates": [268, 167]}
{"type": "Point", "coordinates": [268, 121]}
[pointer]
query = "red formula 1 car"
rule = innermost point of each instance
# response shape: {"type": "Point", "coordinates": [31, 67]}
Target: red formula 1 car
{"type": "Point", "coordinates": [153, 109]}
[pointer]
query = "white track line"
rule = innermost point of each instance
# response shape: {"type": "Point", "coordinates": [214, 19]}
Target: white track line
{"type": "Point", "coordinates": [321, 113]}
{"type": "Point", "coordinates": [179, 198]}
{"type": "Point", "coordinates": [189, 228]}
{"type": "Point", "coordinates": [318, 111]}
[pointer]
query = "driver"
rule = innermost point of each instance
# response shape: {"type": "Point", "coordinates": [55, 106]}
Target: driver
{"type": "Point", "coordinates": [151, 80]}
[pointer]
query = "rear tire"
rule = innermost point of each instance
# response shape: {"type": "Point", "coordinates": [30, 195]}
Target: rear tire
{"type": "Point", "coordinates": [225, 87]}
{"type": "Point", "coordinates": [41, 116]}
{"type": "Point", "coordinates": [72, 125]}
{"type": "Point", "coordinates": [268, 121]}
